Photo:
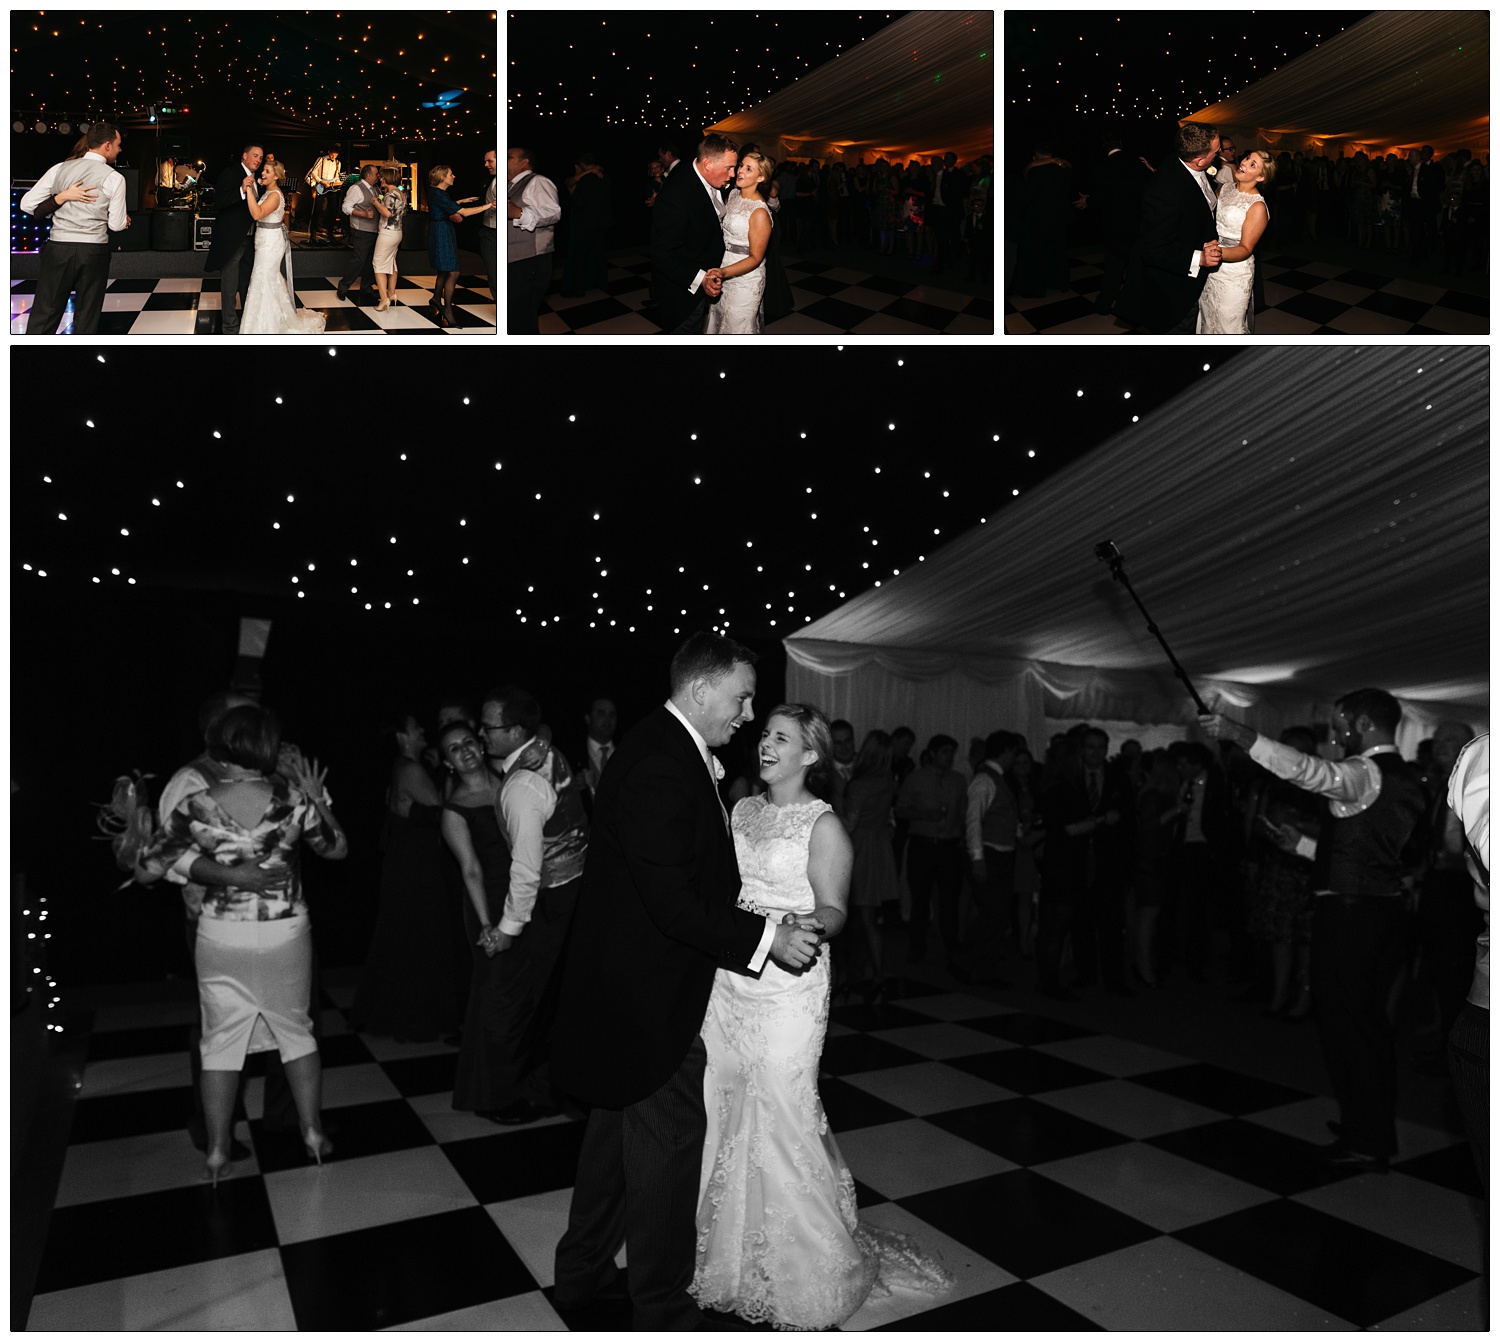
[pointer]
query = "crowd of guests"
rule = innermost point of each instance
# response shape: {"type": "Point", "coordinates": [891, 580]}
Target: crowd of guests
{"type": "Point", "coordinates": [1112, 871]}
{"type": "Point", "coordinates": [1414, 203]}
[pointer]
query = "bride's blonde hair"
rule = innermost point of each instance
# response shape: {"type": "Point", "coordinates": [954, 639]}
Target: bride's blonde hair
{"type": "Point", "coordinates": [764, 166]}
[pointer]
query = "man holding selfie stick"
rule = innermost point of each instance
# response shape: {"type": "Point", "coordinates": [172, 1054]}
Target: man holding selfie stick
{"type": "Point", "coordinates": [1375, 801]}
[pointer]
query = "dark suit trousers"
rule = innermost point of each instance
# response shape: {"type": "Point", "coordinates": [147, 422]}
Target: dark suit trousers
{"type": "Point", "coordinates": [1469, 1066]}
{"type": "Point", "coordinates": [983, 949]}
{"type": "Point", "coordinates": [692, 324]}
{"type": "Point", "coordinates": [235, 278]}
{"type": "Point", "coordinates": [526, 284]}
{"type": "Point", "coordinates": [68, 267]}
{"type": "Point", "coordinates": [516, 1026]}
{"type": "Point", "coordinates": [362, 266]}
{"type": "Point", "coordinates": [637, 1184]}
{"type": "Point", "coordinates": [1357, 946]}
{"type": "Point", "coordinates": [934, 864]}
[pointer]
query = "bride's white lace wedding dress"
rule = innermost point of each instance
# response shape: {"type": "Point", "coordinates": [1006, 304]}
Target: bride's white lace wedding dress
{"type": "Point", "coordinates": [270, 307]}
{"type": "Point", "coordinates": [738, 310]}
{"type": "Point", "coordinates": [779, 1237]}
{"type": "Point", "coordinates": [1227, 303]}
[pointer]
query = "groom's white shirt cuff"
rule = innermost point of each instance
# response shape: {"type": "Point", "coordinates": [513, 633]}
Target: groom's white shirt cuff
{"type": "Point", "coordinates": [1197, 264]}
{"type": "Point", "coordinates": [758, 960]}
{"type": "Point", "coordinates": [692, 289]}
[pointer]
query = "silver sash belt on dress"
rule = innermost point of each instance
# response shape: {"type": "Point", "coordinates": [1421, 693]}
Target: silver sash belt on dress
{"type": "Point", "coordinates": [738, 251]}
{"type": "Point", "coordinates": [266, 223]}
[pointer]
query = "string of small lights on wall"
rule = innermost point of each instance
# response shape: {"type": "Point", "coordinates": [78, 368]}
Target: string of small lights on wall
{"type": "Point", "coordinates": [652, 95]}
{"type": "Point", "coordinates": [883, 508]}
{"type": "Point", "coordinates": [392, 80]}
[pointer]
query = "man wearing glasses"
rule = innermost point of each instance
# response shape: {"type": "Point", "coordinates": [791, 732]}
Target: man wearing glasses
{"type": "Point", "coordinates": [541, 811]}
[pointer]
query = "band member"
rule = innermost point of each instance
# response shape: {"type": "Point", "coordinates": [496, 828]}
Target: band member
{"type": "Point", "coordinates": [326, 177]}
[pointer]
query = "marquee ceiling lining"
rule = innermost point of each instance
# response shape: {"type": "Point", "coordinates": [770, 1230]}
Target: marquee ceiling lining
{"type": "Point", "coordinates": [922, 85]}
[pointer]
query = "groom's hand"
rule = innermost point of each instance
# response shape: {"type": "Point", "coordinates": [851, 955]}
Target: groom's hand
{"type": "Point", "coordinates": [795, 947]}
{"type": "Point", "coordinates": [713, 284]}
{"type": "Point", "coordinates": [1212, 253]}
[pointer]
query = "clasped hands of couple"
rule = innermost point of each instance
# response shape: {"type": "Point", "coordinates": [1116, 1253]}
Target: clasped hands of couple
{"type": "Point", "coordinates": [798, 940]}
{"type": "Point", "coordinates": [1213, 252]}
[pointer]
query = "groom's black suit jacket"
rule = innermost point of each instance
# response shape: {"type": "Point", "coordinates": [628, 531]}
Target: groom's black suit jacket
{"type": "Point", "coordinates": [685, 238]}
{"type": "Point", "coordinates": [655, 917]}
{"type": "Point", "coordinates": [1176, 220]}
{"type": "Point", "coordinates": [231, 215]}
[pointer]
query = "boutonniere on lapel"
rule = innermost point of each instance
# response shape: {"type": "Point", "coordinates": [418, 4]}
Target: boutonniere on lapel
{"type": "Point", "coordinates": [1213, 172]}
{"type": "Point", "coordinates": [713, 761]}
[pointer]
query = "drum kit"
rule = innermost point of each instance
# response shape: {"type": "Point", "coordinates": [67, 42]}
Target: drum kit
{"type": "Point", "coordinates": [189, 191]}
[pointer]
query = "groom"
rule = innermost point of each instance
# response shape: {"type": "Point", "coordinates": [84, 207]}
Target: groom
{"type": "Point", "coordinates": [655, 917]}
{"type": "Point", "coordinates": [231, 250]}
{"type": "Point", "coordinates": [1178, 241]}
{"type": "Point", "coordinates": [686, 239]}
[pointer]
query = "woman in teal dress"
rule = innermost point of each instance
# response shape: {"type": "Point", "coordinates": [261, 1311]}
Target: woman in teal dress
{"type": "Point", "coordinates": [473, 834]}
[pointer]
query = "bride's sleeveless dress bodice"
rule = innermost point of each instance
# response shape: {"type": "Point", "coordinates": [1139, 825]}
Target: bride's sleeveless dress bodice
{"type": "Point", "coordinates": [269, 307]}
{"type": "Point", "coordinates": [1226, 306]}
{"type": "Point", "coordinates": [738, 310]}
{"type": "Point", "coordinates": [779, 1237]}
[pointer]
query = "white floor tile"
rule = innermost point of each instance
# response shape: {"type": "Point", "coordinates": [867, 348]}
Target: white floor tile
{"type": "Point", "coordinates": [938, 298]}
{"type": "Point", "coordinates": [244, 1293]}
{"type": "Point", "coordinates": [177, 322]}
{"type": "Point", "coordinates": [533, 1226]}
{"type": "Point", "coordinates": [400, 319]}
{"type": "Point", "coordinates": [1307, 1120]}
{"type": "Point", "coordinates": [1464, 1309]}
{"type": "Point", "coordinates": [928, 1088]}
{"type": "Point", "coordinates": [1452, 322]}
{"type": "Point", "coordinates": [125, 1076]}
{"type": "Point", "coordinates": [124, 302]}
{"type": "Point", "coordinates": [1163, 1190]}
{"type": "Point", "coordinates": [529, 1313]}
{"type": "Point", "coordinates": [361, 1083]}
{"type": "Point", "coordinates": [448, 1124]}
{"type": "Point", "coordinates": [1123, 1106]}
{"type": "Point", "coordinates": [797, 324]}
{"type": "Point", "coordinates": [1411, 1211]}
{"type": "Point", "coordinates": [388, 1050]}
{"type": "Point", "coordinates": [966, 324]}
{"type": "Point", "coordinates": [1163, 1286]}
{"type": "Point", "coordinates": [181, 284]}
{"type": "Point", "coordinates": [943, 1040]}
{"type": "Point", "coordinates": [1113, 1056]}
{"type": "Point", "coordinates": [313, 1201]}
{"type": "Point", "coordinates": [882, 323]}
{"type": "Point", "coordinates": [124, 1166]}
{"type": "Point", "coordinates": [900, 1159]}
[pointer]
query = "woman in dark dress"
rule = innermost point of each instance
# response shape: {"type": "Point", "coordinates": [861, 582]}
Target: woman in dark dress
{"type": "Point", "coordinates": [442, 241]}
{"type": "Point", "coordinates": [474, 837]}
{"type": "Point", "coordinates": [406, 990]}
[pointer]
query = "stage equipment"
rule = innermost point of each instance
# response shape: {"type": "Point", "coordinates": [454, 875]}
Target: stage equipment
{"type": "Point", "coordinates": [1107, 553]}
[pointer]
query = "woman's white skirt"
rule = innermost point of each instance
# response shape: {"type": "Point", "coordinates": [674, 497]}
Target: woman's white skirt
{"type": "Point", "coordinates": [254, 980]}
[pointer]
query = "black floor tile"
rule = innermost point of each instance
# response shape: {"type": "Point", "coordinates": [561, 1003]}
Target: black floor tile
{"type": "Point", "coordinates": [808, 267]}
{"type": "Point", "coordinates": [1026, 1131]}
{"type": "Point", "coordinates": [1054, 314]}
{"type": "Point", "coordinates": [1452, 1167]}
{"type": "Point", "coordinates": [141, 286]}
{"type": "Point", "coordinates": [898, 990]}
{"type": "Point", "coordinates": [1219, 1088]}
{"type": "Point", "coordinates": [607, 1316]}
{"type": "Point", "coordinates": [1257, 1155]}
{"type": "Point", "coordinates": [363, 1130]}
{"type": "Point", "coordinates": [628, 284]}
{"type": "Point", "coordinates": [343, 1050]}
{"type": "Point", "coordinates": [816, 284]}
{"type": "Point", "coordinates": [23, 286]}
{"type": "Point", "coordinates": [1027, 1224]}
{"type": "Point", "coordinates": [399, 1273]}
{"type": "Point", "coordinates": [1365, 279]}
{"type": "Point", "coordinates": [1343, 1268]}
{"type": "Point", "coordinates": [1461, 302]}
{"type": "Point", "coordinates": [835, 312]}
{"type": "Point", "coordinates": [116, 323]}
{"type": "Point", "coordinates": [862, 1053]}
{"type": "Point", "coordinates": [123, 1237]}
{"type": "Point", "coordinates": [1017, 1308]}
{"type": "Point", "coordinates": [149, 1041]}
{"type": "Point", "coordinates": [1026, 1071]}
{"type": "Point", "coordinates": [1021, 1027]}
{"type": "Point", "coordinates": [172, 302]}
{"type": "Point", "coordinates": [923, 314]}
{"type": "Point", "coordinates": [587, 314]}
{"type": "Point", "coordinates": [1310, 307]}
{"type": "Point", "coordinates": [423, 1076]}
{"type": "Point", "coordinates": [864, 1196]}
{"type": "Point", "coordinates": [1393, 305]}
{"type": "Point", "coordinates": [347, 319]}
{"type": "Point", "coordinates": [881, 1016]}
{"type": "Point", "coordinates": [131, 1115]}
{"type": "Point", "coordinates": [880, 285]}
{"type": "Point", "coordinates": [1418, 329]}
{"type": "Point", "coordinates": [519, 1163]}
{"type": "Point", "coordinates": [981, 307]}
{"type": "Point", "coordinates": [848, 1107]}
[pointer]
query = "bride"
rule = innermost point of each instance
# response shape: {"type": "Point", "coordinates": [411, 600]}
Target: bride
{"type": "Point", "coordinates": [747, 231]}
{"type": "Point", "coordinates": [779, 1236]}
{"type": "Point", "coordinates": [1227, 304]}
{"type": "Point", "coordinates": [270, 306]}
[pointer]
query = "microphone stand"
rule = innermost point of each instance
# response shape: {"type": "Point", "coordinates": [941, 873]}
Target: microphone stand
{"type": "Point", "coordinates": [1107, 552]}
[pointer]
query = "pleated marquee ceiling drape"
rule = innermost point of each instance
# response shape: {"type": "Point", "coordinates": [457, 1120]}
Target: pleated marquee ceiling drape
{"type": "Point", "coordinates": [1395, 80]}
{"type": "Point", "coordinates": [921, 85]}
{"type": "Point", "coordinates": [1323, 528]}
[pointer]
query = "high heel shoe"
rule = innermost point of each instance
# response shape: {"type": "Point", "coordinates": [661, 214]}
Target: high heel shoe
{"type": "Point", "coordinates": [217, 1164]}
{"type": "Point", "coordinates": [317, 1145]}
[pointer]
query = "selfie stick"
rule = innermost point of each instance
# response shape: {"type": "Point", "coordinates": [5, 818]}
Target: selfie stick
{"type": "Point", "coordinates": [1107, 551]}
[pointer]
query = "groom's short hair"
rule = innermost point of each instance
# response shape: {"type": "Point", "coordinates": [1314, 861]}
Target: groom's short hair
{"type": "Point", "coordinates": [1194, 138]}
{"type": "Point", "coordinates": [714, 145]}
{"type": "Point", "coordinates": [707, 656]}
{"type": "Point", "coordinates": [101, 133]}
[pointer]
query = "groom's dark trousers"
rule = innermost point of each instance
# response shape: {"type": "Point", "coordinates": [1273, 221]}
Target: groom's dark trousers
{"type": "Point", "coordinates": [646, 1156]}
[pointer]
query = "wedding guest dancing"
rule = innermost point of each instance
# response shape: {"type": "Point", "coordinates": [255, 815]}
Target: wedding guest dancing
{"type": "Point", "coordinates": [76, 257]}
{"type": "Point", "coordinates": [1177, 246]}
{"type": "Point", "coordinates": [687, 241]}
{"type": "Point", "coordinates": [391, 206]}
{"type": "Point", "coordinates": [1227, 305]}
{"type": "Point", "coordinates": [488, 224]}
{"type": "Point", "coordinates": [533, 210]}
{"type": "Point", "coordinates": [254, 947]}
{"type": "Point", "coordinates": [364, 221]}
